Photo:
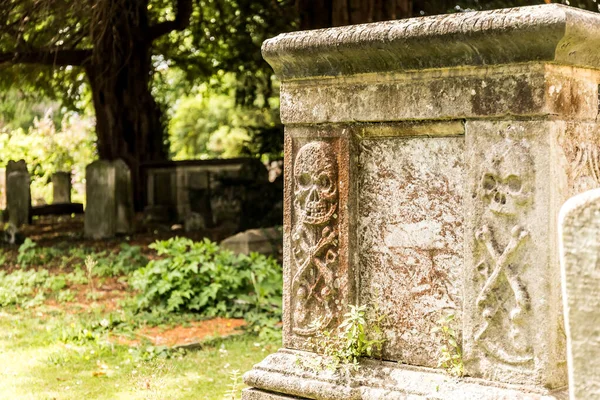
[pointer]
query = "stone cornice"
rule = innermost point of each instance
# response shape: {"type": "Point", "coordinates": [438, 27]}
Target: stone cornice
{"type": "Point", "coordinates": [550, 33]}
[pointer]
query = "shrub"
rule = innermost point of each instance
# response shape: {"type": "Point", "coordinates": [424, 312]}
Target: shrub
{"type": "Point", "coordinates": [200, 277]}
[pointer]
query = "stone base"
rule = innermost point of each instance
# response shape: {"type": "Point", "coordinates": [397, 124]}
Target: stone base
{"type": "Point", "coordinates": [280, 377]}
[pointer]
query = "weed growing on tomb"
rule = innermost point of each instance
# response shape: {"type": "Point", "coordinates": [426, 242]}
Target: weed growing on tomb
{"type": "Point", "coordinates": [359, 335]}
{"type": "Point", "coordinates": [450, 351]}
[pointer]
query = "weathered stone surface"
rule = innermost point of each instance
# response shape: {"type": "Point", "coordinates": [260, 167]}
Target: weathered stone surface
{"type": "Point", "coordinates": [453, 141]}
{"type": "Point", "coordinates": [18, 198]}
{"type": "Point", "coordinates": [378, 380]}
{"type": "Point", "coordinates": [109, 208]}
{"type": "Point", "coordinates": [253, 394]}
{"type": "Point", "coordinates": [61, 187]}
{"type": "Point", "coordinates": [318, 279]}
{"type": "Point", "coordinates": [579, 236]}
{"type": "Point", "coordinates": [513, 330]}
{"type": "Point", "coordinates": [410, 249]}
{"type": "Point", "coordinates": [18, 194]}
{"type": "Point", "coordinates": [495, 91]}
{"type": "Point", "coordinates": [550, 33]}
{"type": "Point", "coordinates": [265, 241]}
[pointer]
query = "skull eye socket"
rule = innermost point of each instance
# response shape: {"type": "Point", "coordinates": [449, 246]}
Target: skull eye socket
{"type": "Point", "coordinates": [324, 182]}
{"type": "Point", "coordinates": [488, 182]}
{"type": "Point", "coordinates": [514, 183]}
{"type": "Point", "coordinates": [304, 179]}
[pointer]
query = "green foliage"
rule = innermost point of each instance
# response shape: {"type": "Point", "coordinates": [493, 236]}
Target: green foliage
{"type": "Point", "coordinates": [210, 124]}
{"type": "Point", "coordinates": [199, 277]}
{"type": "Point", "coordinates": [359, 335]}
{"type": "Point", "coordinates": [29, 288]}
{"type": "Point", "coordinates": [47, 150]}
{"type": "Point", "coordinates": [450, 350]}
{"type": "Point", "coordinates": [31, 254]}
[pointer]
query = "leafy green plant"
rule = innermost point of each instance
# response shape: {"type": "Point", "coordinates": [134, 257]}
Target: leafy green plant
{"type": "Point", "coordinates": [27, 253]}
{"type": "Point", "coordinates": [450, 350]}
{"type": "Point", "coordinates": [31, 254]}
{"type": "Point", "coordinates": [359, 335]}
{"type": "Point", "coordinates": [200, 277]}
{"type": "Point", "coordinates": [25, 288]}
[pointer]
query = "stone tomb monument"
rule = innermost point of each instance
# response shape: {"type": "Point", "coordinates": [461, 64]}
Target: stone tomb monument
{"type": "Point", "coordinates": [61, 187]}
{"type": "Point", "coordinates": [579, 234]}
{"type": "Point", "coordinates": [426, 161]}
{"type": "Point", "coordinates": [18, 194]}
{"type": "Point", "coordinates": [109, 209]}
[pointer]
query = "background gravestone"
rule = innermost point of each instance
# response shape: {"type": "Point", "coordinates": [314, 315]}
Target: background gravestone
{"type": "Point", "coordinates": [109, 208]}
{"type": "Point", "coordinates": [61, 187]}
{"type": "Point", "coordinates": [18, 194]}
{"type": "Point", "coordinates": [426, 161]}
{"type": "Point", "coordinates": [579, 237]}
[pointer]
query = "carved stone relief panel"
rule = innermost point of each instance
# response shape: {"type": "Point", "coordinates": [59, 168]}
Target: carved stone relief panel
{"type": "Point", "coordinates": [580, 145]}
{"type": "Point", "coordinates": [316, 272]}
{"type": "Point", "coordinates": [314, 237]}
{"type": "Point", "coordinates": [410, 239]}
{"type": "Point", "coordinates": [503, 304]}
{"type": "Point", "coordinates": [512, 317]}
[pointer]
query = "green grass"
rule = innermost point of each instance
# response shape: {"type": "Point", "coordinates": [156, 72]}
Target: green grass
{"type": "Point", "coordinates": [36, 364]}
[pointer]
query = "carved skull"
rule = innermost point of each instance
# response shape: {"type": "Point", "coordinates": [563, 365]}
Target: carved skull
{"type": "Point", "coordinates": [507, 182]}
{"type": "Point", "coordinates": [315, 178]}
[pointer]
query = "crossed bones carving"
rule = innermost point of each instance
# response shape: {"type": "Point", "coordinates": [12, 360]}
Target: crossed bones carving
{"type": "Point", "coordinates": [502, 265]}
{"type": "Point", "coordinates": [313, 258]}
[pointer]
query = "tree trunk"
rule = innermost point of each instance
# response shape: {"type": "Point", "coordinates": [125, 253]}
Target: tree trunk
{"type": "Point", "coordinates": [128, 120]}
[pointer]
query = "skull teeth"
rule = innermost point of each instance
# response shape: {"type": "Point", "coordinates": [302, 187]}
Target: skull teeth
{"type": "Point", "coordinates": [316, 209]}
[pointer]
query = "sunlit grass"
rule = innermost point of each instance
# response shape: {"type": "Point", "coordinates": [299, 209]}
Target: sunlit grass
{"type": "Point", "coordinates": [36, 364]}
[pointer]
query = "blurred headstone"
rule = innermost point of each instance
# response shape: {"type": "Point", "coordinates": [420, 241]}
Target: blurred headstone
{"type": "Point", "coordinates": [18, 195]}
{"type": "Point", "coordinates": [61, 187]}
{"type": "Point", "coordinates": [109, 209]}
{"type": "Point", "coordinates": [268, 241]}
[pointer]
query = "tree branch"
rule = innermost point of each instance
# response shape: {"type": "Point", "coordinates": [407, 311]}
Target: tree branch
{"type": "Point", "coordinates": [58, 58]}
{"type": "Point", "coordinates": [182, 21]}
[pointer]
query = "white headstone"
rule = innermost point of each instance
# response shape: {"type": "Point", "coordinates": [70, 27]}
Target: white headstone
{"type": "Point", "coordinates": [579, 236]}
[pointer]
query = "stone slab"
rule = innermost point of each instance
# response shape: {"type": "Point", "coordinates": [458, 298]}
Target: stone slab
{"type": "Point", "coordinates": [318, 279]}
{"type": "Point", "coordinates": [100, 216]}
{"type": "Point", "coordinates": [379, 380]}
{"type": "Point", "coordinates": [253, 394]}
{"type": "Point", "coordinates": [528, 90]}
{"type": "Point", "coordinates": [109, 209]}
{"type": "Point", "coordinates": [513, 330]}
{"type": "Point", "coordinates": [579, 235]}
{"type": "Point", "coordinates": [61, 188]}
{"type": "Point", "coordinates": [18, 197]}
{"type": "Point", "coordinates": [551, 33]}
{"type": "Point", "coordinates": [410, 247]}
{"type": "Point", "coordinates": [264, 241]}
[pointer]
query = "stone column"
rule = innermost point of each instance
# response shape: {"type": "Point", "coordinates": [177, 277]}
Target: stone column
{"type": "Point", "coordinates": [109, 208]}
{"type": "Point", "coordinates": [579, 236]}
{"type": "Point", "coordinates": [61, 187]}
{"type": "Point", "coordinates": [18, 195]}
{"type": "Point", "coordinates": [426, 161]}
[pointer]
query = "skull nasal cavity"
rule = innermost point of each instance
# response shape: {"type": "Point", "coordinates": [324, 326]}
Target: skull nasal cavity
{"type": "Point", "coordinates": [500, 198]}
